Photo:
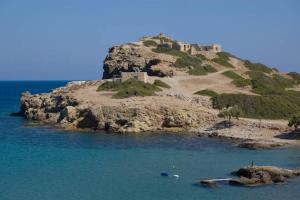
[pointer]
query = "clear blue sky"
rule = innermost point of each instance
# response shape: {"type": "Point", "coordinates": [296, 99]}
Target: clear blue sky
{"type": "Point", "coordinates": [68, 39]}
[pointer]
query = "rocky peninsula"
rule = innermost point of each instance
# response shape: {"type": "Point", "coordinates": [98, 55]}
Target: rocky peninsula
{"type": "Point", "coordinates": [158, 84]}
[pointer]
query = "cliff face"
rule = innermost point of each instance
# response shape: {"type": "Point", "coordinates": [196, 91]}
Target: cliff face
{"type": "Point", "coordinates": [136, 58]}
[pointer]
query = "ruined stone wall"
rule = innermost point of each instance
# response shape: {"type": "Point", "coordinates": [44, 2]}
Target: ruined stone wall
{"type": "Point", "coordinates": [140, 76]}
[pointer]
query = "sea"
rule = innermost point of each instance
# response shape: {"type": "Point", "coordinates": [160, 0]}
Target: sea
{"type": "Point", "coordinates": [44, 163]}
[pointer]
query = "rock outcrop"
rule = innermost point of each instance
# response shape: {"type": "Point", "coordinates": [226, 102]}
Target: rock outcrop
{"type": "Point", "coordinates": [135, 58]}
{"type": "Point", "coordinates": [261, 175]}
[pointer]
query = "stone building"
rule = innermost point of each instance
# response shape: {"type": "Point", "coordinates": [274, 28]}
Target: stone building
{"type": "Point", "coordinates": [140, 76]}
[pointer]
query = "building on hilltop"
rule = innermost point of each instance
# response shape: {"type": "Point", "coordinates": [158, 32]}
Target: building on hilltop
{"type": "Point", "coordinates": [192, 49]}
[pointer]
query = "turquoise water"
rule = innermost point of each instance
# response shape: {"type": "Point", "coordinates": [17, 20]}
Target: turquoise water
{"type": "Point", "coordinates": [43, 163]}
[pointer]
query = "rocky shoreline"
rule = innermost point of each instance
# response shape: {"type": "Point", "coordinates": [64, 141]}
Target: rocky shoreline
{"type": "Point", "coordinates": [69, 108]}
{"type": "Point", "coordinates": [62, 108]}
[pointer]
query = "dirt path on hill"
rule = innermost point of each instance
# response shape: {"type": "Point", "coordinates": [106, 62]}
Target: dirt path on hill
{"type": "Point", "coordinates": [187, 85]}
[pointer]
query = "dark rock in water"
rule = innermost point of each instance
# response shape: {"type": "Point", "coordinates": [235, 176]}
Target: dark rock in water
{"type": "Point", "coordinates": [208, 183]}
{"type": "Point", "coordinates": [16, 114]}
{"type": "Point", "coordinates": [259, 145]}
{"type": "Point", "coordinates": [164, 174]}
{"type": "Point", "coordinates": [261, 175]}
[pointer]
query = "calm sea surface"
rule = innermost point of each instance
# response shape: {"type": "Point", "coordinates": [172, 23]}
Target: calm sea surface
{"type": "Point", "coordinates": [41, 163]}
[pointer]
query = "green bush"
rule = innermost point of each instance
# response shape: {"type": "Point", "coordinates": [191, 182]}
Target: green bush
{"type": "Point", "coordinates": [109, 86]}
{"type": "Point", "coordinates": [162, 38]}
{"type": "Point", "coordinates": [161, 84]}
{"type": "Point", "coordinates": [269, 106]}
{"type": "Point", "coordinates": [229, 112]}
{"type": "Point", "coordinates": [197, 71]}
{"type": "Point", "coordinates": [237, 79]}
{"type": "Point", "coordinates": [223, 59]}
{"type": "Point", "coordinates": [209, 68]}
{"type": "Point", "coordinates": [257, 67]}
{"type": "Point", "coordinates": [206, 92]}
{"type": "Point", "coordinates": [185, 62]}
{"type": "Point", "coordinates": [294, 121]}
{"type": "Point", "coordinates": [129, 88]}
{"type": "Point", "coordinates": [149, 43]}
{"type": "Point", "coordinates": [202, 57]}
{"type": "Point", "coordinates": [264, 84]}
{"type": "Point", "coordinates": [201, 70]}
{"type": "Point", "coordinates": [173, 52]}
{"type": "Point", "coordinates": [295, 76]}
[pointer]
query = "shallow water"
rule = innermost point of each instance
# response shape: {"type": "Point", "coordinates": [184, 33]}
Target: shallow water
{"type": "Point", "coordinates": [44, 163]}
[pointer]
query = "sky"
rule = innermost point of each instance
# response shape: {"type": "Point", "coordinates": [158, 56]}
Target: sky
{"type": "Point", "coordinates": [69, 39]}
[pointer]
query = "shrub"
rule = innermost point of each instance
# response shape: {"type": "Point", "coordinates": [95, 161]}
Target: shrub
{"type": "Point", "coordinates": [269, 106]}
{"type": "Point", "coordinates": [129, 88]}
{"type": "Point", "coordinates": [162, 38]}
{"type": "Point", "coordinates": [149, 43]}
{"type": "Point", "coordinates": [184, 60]}
{"type": "Point", "coordinates": [109, 86]}
{"type": "Point", "coordinates": [206, 92]}
{"type": "Point", "coordinates": [295, 76]}
{"type": "Point", "coordinates": [237, 79]}
{"type": "Point", "coordinates": [229, 112]}
{"type": "Point", "coordinates": [201, 70]}
{"type": "Point", "coordinates": [202, 57]}
{"type": "Point", "coordinates": [294, 121]}
{"type": "Point", "coordinates": [209, 68]}
{"type": "Point", "coordinates": [173, 52]}
{"type": "Point", "coordinates": [223, 59]}
{"type": "Point", "coordinates": [263, 84]}
{"type": "Point", "coordinates": [257, 67]}
{"type": "Point", "coordinates": [161, 84]}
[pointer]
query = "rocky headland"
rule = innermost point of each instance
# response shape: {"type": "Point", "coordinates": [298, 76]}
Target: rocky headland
{"type": "Point", "coordinates": [182, 104]}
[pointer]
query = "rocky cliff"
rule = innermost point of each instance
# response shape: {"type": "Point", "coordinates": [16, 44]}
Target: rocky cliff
{"type": "Point", "coordinates": [136, 58]}
{"type": "Point", "coordinates": [65, 108]}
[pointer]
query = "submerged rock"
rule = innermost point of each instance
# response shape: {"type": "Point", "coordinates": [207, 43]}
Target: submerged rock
{"type": "Point", "coordinates": [254, 145]}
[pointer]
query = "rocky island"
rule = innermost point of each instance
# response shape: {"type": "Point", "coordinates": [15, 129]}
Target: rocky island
{"type": "Point", "coordinates": [159, 84]}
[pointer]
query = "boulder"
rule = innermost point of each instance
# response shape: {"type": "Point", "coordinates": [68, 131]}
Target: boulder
{"type": "Point", "coordinates": [261, 175]}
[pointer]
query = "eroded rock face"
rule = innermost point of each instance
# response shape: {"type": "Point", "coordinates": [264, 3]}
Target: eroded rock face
{"type": "Point", "coordinates": [63, 109]}
{"type": "Point", "coordinates": [128, 58]}
{"type": "Point", "coordinates": [261, 175]}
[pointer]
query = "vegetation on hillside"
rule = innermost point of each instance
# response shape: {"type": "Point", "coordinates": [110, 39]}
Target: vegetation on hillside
{"type": "Point", "coordinates": [149, 43]}
{"type": "Point", "coordinates": [169, 51]}
{"type": "Point", "coordinates": [129, 88]}
{"type": "Point", "coordinates": [207, 92]}
{"type": "Point", "coordinates": [162, 38]}
{"type": "Point", "coordinates": [264, 84]}
{"type": "Point", "coordinates": [237, 79]}
{"type": "Point", "coordinates": [266, 106]}
{"type": "Point", "coordinates": [294, 121]}
{"type": "Point", "coordinates": [274, 102]}
{"type": "Point", "coordinates": [257, 67]}
{"type": "Point", "coordinates": [295, 76]}
{"type": "Point", "coordinates": [161, 84]}
{"type": "Point", "coordinates": [201, 70]}
{"type": "Point", "coordinates": [223, 59]}
{"type": "Point", "coordinates": [194, 63]}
